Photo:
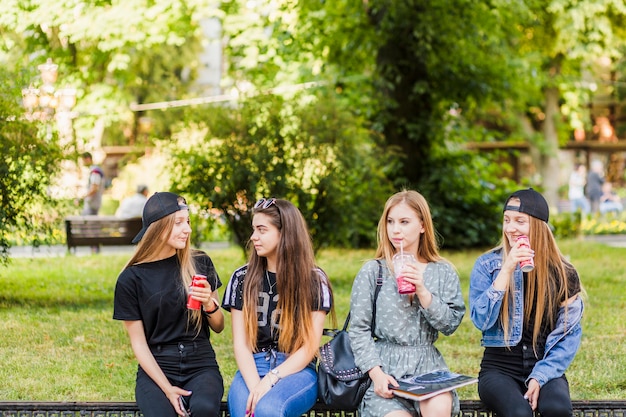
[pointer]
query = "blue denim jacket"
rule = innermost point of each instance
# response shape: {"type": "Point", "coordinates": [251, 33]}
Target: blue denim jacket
{"type": "Point", "coordinates": [485, 304]}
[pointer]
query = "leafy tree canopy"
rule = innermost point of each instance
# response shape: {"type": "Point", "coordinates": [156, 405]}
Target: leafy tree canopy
{"type": "Point", "coordinates": [30, 154]}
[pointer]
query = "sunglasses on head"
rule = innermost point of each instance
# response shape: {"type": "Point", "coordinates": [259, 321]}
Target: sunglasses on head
{"type": "Point", "coordinates": [264, 203]}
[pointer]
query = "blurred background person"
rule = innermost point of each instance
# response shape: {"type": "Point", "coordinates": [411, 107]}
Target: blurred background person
{"type": "Point", "coordinates": [595, 179]}
{"type": "Point", "coordinates": [92, 198]}
{"type": "Point", "coordinates": [133, 206]}
{"type": "Point", "coordinates": [610, 201]}
{"type": "Point", "coordinates": [576, 192]}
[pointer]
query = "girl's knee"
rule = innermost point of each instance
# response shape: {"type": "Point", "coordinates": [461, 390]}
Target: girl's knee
{"type": "Point", "coordinates": [206, 408]}
{"type": "Point", "coordinates": [269, 409]}
{"type": "Point", "coordinates": [440, 405]}
{"type": "Point", "coordinates": [555, 409]}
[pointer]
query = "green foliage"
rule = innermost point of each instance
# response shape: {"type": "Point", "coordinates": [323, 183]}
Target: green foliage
{"type": "Point", "coordinates": [566, 225]}
{"type": "Point", "coordinates": [466, 205]}
{"type": "Point", "coordinates": [310, 152]}
{"type": "Point", "coordinates": [113, 52]}
{"type": "Point", "coordinates": [465, 189]}
{"type": "Point", "coordinates": [31, 157]}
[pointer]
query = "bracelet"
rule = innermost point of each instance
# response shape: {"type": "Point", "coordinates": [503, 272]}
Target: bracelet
{"type": "Point", "coordinates": [276, 374]}
{"type": "Point", "coordinates": [217, 307]}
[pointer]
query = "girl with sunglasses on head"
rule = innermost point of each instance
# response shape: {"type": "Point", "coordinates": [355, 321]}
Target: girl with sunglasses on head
{"type": "Point", "coordinates": [177, 372]}
{"type": "Point", "coordinates": [278, 303]}
{"type": "Point", "coordinates": [530, 318]}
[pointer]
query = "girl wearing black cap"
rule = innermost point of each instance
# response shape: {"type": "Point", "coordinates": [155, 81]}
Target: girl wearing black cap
{"type": "Point", "coordinates": [530, 321]}
{"type": "Point", "coordinates": [177, 370]}
{"type": "Point", "coordinates": [278, 303]}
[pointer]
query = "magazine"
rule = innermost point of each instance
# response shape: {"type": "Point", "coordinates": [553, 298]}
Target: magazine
{"type": "Point", "coordinates": [421, 387]}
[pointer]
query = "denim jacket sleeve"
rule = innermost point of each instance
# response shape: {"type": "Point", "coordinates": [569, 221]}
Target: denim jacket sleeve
{"type": "Point", "coordinates": [485, 301]}
{"type": "Point", "coordinates": [562, 344]}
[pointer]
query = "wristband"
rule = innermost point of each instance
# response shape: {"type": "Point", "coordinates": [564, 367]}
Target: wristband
{"type": "Point", "coordinates": [217, 307]}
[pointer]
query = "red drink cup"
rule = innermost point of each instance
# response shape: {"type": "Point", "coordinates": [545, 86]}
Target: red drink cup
{"type": "Point", "coordinates": [529, 264]}
{"type": "Point", "coordinates": [191, 303]}
{"type": "Point", "coordinates": [399, 260]}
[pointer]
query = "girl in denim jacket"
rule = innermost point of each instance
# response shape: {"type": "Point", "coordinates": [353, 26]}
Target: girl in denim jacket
{"type": "Point", "coordinates": [530, 321]}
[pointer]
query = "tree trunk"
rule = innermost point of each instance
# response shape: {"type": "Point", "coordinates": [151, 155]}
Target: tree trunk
{"type": "Point", "coordinates": [549, 163]}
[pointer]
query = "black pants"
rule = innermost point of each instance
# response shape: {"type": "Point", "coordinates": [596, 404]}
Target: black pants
{"type": "Point", "coordinates": [187, 366]}
{"type": "Point", "coordinates": [504, 394]}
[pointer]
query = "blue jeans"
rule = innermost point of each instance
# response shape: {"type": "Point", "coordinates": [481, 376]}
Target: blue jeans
{"type": "Point", "coordinates": [581, 204]}
{"type": "Point", "coordinates": [292, 396]}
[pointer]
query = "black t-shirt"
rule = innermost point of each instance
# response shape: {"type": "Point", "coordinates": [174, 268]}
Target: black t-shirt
{"type": "Point", "coordinates": [153, 293]}
{"type": "Point", "coordinates": [268, 315]}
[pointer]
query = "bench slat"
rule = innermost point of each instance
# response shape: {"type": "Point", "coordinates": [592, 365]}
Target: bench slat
{"type": "Point", "coordinates": [469, 408]}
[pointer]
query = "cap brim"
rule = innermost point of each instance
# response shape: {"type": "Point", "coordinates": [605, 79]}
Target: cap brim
{"type": "Point", "coordinates": [137, 238]}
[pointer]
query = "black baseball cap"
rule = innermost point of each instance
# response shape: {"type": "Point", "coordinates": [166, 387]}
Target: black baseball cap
{"type": "Point", "coordinates": [531, 203]}
{"type": "Point", "coordinates": [158, 206]}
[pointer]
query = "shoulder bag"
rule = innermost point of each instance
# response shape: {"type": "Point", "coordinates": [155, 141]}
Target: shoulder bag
{"type": "Point", "coordinates": [340, 382]}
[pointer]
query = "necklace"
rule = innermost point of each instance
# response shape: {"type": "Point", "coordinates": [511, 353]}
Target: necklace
{"type": "Point", "coordinates": [267, 276]}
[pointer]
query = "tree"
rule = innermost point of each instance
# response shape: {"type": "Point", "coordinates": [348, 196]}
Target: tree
{"type": "Point", "coordinates": [114, 52]}
{"type": "Point", "coordinates": [402, 66]}
{"type": "Point", "coordinates": [310, 152]}
{"type": "Point", "coordinates": [560, 39]}
{"type": "Point", "coordinates": [30, 159]}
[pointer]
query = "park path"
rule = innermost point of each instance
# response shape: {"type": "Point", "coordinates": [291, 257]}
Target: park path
{"type": "Point", "coordinates": [61, 250]}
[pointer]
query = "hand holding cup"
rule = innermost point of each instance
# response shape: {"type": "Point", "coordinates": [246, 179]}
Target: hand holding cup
{"type": "Point", "coordinates": [399, 262]}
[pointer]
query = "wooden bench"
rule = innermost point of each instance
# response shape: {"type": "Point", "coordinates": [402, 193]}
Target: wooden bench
{"type": "Point", "coordinates": [100, 230]}
{"type": "Point", "coordinates": [469, 408]}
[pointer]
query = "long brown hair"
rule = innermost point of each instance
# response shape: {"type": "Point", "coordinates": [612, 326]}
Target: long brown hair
{"type": "Point", "coordinates": [546, 285]}
{"type": "Point", "coordinates": [428, 249]}
{"type": "Point", "coordinates": [297, 279]}
{"type": "Point", "coordinates": [153, 242]}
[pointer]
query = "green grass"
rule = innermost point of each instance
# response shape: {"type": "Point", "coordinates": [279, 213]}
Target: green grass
{"type": "Point", "coordinates": [59, 343]}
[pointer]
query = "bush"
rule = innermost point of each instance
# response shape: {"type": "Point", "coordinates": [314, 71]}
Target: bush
{"type": "Point", "coordinates": [312, 153]}
{"type": "Point", "coordinates": [31, 156]}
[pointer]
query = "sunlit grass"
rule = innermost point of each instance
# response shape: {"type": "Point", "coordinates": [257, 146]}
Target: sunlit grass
{"type": "Point", "coordinates": [59, 342]}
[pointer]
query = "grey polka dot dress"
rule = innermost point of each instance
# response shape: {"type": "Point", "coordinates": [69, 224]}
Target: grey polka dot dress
{"type": "Point", "coordinates": [405, 331]}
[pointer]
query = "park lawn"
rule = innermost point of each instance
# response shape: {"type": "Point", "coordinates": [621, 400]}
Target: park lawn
{"type": "Point", "coordinates": [59, 342]}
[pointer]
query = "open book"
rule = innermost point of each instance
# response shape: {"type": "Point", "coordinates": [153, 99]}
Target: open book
{"type": "Point", "coordinates": [421, 387]}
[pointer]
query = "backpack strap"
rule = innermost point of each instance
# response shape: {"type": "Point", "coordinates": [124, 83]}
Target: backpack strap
{"type": "Point", "coordinates": [379, 284]}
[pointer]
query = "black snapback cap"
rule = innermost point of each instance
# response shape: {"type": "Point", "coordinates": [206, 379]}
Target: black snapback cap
{"type": "Point", "coordinates": [531, 203]}
{"type": "Point", "coordinates": [158, 206]}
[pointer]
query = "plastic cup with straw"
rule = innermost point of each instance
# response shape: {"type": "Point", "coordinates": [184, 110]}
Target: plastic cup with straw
{"type": "Point", "coordinates": [399, 260]}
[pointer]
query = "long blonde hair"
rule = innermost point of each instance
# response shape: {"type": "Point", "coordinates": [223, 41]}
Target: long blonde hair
{"type": "Point", "coordinates": [428, 249]}
{"type": "Point", "coordinates": [153, 242]}
{"type": "Point", "coordinates": [297, 279]}
{"type": "Point", "coordinates": [547, 283]}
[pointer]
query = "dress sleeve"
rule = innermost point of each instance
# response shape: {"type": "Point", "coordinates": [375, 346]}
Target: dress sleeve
{"type": "Point", "coordinates": [447, 307]}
